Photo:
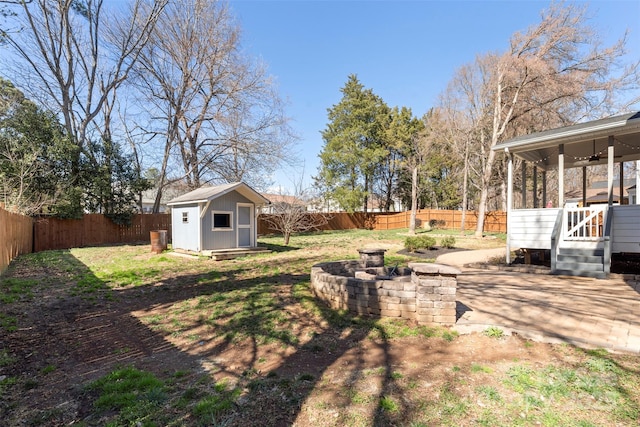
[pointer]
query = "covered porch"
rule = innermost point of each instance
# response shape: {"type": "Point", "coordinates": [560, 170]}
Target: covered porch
{"type": "Point", "coordinates": [582, 236]}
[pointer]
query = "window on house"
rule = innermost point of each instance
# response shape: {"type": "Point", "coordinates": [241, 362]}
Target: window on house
{"type": "Point", "coordinates": [185, 217]}
{"type": "Point", "coordinates": [222, 221]}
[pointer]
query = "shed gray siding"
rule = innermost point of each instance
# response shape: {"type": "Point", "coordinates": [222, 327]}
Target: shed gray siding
{"type": "Point", "coordinates": [222, 239]}
{"type": "Point", "coordinates": [186, 235]}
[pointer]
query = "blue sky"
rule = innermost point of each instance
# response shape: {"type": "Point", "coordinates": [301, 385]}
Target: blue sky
{"type": "Point", "coordinates": [405, 51]}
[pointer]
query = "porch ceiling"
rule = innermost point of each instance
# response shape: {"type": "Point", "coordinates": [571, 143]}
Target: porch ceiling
{"type": "Point", "coordinates": [585, 144]}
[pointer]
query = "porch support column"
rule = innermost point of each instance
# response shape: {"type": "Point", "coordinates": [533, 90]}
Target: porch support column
{"type": "Point", "coordinates": [535, 187]}
{"type": "Point", "coordinates": [524, 185]}
{"type": "Point", "coordinates": [544, 188]}
{"type": "Point", "coordinates": [621, 189]}
{"type": "Point", "coordinates": [561, 175]}
{"type": "Point", "coordinates": [509, 201]}
{"type": "Point", "coordinates": [637, 182]}
{"type": "Point", "coordinates": [610, 154]}
{"type": "Point", "coordinates": [584, 186]}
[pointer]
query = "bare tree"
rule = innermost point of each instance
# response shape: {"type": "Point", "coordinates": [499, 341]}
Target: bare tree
{"type": "Point", "coordinates": [72, 63]}
{"type": "Point", "coordinates": [553, 74]}
{"type": "Point", "coordinates": [416, 151]}
{"type": "Point", "coordinates": [216, 113]}
{"type": "Point", "coordinates": [289, 214]}
{"type": "Point", "coordinates": [460, 126]}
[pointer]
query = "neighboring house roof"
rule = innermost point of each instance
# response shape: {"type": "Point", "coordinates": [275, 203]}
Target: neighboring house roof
{"type": "Point", "coordinates": [206, 194]}
{"type": "Point", "coordinates": [170, 192]}
{"type": "Point", "coordinates": [603, 197]}
{"type": "Point", "coordinates": [598, 192]}
{"type": "Point", "coordinates": [281, 198]}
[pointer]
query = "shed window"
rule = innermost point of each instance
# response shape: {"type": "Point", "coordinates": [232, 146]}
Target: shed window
{"type": "Point", "coordinates": [222, 220]}
{"type": "Point", "coordinates": [185, 217]}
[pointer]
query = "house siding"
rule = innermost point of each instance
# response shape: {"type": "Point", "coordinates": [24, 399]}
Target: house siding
{"type": "Point", "coordinates": [211, 239]}
{"type": "Point", "coordinates": [531, 228]}
{"type": "Point", "coordinates": [625, 233]}
{"type": "Point", "coordinates": [186, 235]}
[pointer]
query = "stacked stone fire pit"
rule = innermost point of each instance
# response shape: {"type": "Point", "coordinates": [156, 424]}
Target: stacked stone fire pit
{"type": "Point", "coordinates": [423, 292]}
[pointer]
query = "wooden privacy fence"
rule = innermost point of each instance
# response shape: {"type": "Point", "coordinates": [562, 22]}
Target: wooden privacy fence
{"type": "Point", "coordinates": [20, 234]}
{"type": "Point", "coordinates": [16, 236]}
{"type": "Point", "coordinates": [495, 222]}
{"type": "Point", "coordinates": [95, 230]}
{"type": "Point", "coordinates": [335, 221]}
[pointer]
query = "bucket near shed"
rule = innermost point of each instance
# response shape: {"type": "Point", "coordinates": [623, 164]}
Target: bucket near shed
{"type": "Point", "coordinates": [158, 241]}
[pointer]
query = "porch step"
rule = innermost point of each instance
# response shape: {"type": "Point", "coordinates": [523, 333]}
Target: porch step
{"type": "Point", "coordinates": [225, 254]}
{"type": "Point", "coordinates": [581, 251]}
{"type": "Point", "coordinates": [580, 262]}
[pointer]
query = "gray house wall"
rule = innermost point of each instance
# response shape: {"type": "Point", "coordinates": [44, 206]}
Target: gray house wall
{"type": "Point", "coordinates": [222, 239]}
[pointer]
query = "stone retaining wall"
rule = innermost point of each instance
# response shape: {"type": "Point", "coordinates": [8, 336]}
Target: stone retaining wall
{"type": "Point", "coordinates": [424, 292]}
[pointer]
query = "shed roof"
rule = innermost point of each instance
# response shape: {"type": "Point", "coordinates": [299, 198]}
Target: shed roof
{"type": "Point", "coordinates": [585, 143]}
{"type": "Point", "coordinates": [208, 193]}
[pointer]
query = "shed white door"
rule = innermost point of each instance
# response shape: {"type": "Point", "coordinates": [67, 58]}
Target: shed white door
{"type": "Point", "coordinates": [186, 227]}
{"type": "Point", "coordinates": [245, 225]}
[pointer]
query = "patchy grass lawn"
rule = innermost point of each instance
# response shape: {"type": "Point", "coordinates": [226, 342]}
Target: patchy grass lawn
{"type": "Point", "coordinates": [119, 336]}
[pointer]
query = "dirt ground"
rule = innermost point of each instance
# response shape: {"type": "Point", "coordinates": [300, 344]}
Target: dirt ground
{"type": "Point", "coordinates": [82, 341]}
{"type": "Point", "coordinates": [63, 342]}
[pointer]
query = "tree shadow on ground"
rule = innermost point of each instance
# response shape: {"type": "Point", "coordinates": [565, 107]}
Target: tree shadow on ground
{"type": "Point", "coordinates": [278, 248]}
{"type": "Point", "coordinates": [251, 324]}
{"type": "Point", "coordinates": [84, 329]}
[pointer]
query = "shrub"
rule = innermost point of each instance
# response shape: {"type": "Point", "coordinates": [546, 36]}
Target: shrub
{"type": "Point", "coordinates": [448, 242]}
{"type": "Point", "coordinates": [414, 243]}
{"type": "Point", "coordinates": [437, 223]}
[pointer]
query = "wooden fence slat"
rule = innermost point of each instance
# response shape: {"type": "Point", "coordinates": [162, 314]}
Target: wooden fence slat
{"type": "Point", "coordinates": [20, 234]}
{"type": "Point", "coordinates": [96, 229]}
{"type": "Point", "coordinates": [16, 237]}
{"type": "Point", "coordinates": [494, 222]}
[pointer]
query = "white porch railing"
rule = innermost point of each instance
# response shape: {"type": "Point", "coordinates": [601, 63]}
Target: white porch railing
{"type": "Point", "coordinates": [584, 224]}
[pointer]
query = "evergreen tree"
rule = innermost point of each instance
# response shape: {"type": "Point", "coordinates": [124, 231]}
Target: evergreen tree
{"type": "Point", "coordinates": [34, 155]}
{"type": "Point", "coordinates": [354, 146]}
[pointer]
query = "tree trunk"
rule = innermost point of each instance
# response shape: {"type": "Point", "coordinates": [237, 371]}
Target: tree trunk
{"type": "Point", "coordinates": [366, 193]}
{"type": "Point", "coordinates": [414, 201]}
{"type": "Point", "coordinates": [484, 193]}
{"type": "Point", "coordinates": [465, 189]}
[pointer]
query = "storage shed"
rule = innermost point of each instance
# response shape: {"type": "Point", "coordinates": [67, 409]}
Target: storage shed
{"type": "Point", "coordinates": [216, 218]}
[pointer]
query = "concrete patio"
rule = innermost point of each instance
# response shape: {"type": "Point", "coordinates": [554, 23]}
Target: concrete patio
{"type": "Point", "coordinates": [586, 312]}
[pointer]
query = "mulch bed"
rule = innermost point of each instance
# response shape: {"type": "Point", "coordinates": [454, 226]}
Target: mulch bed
{"type": "Point", "coordinates": [432, 253]}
